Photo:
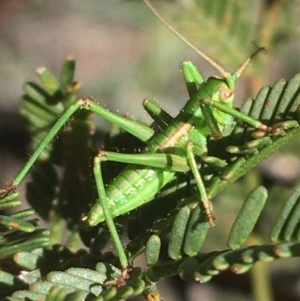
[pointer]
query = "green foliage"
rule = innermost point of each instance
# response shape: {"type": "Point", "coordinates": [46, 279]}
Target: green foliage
{"type": "Point", "coordinates": [16, 231]}
{"type": "Point", "coordinates": [39, 264]}
{"type": "Point", "coordinates": [175, 210]}
{"type": "Point", "coordinates": [230, 24]}
{"type": "Point", "coordinates": [227, 29]}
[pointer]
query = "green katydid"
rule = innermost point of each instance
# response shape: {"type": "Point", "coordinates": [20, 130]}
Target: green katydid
{"type": "Point", "coordinates": [208, 112]}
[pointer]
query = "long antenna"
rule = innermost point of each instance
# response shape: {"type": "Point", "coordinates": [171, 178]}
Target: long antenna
{"type": "Point", "coordinates": [192, 46]}
{"type": "Point", "coordinates": [241, 69]}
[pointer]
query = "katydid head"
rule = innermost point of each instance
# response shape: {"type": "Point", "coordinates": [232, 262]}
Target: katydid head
{"type": "Point", "coordinates": [219, 90]}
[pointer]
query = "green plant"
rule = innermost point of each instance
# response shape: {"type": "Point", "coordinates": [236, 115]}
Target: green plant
{"type": "Point", "coordinates": [62, 197]}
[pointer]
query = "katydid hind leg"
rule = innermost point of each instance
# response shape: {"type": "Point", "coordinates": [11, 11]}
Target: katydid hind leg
{"type": "Point", "coordinates": [139, 130]}
{"type": "Point", "coordinates": [165, 161]}
{"type": "Point", "coordinates": [102, 199]}
{"type": "Point", "coordinates": [156, 160]}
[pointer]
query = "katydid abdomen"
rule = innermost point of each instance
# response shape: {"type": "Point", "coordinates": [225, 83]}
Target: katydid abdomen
{"type": "Point", "coordinates": [138, 184]}
{"type": "Point", "coordinates": [133, 188]}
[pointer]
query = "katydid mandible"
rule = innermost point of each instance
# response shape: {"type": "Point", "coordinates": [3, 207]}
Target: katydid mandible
{"type": "Point", "coordinates": [208, 112]}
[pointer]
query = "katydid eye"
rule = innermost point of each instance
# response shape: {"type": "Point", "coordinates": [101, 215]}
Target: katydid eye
{"type": "Point", "coordinates": [225, 94]}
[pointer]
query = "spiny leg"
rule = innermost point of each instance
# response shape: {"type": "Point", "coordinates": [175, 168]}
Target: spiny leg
{"type": "Point", "coordinates": [161, 160]}
{"type": "Point", "coordinates": [164, 161]}
{"type": "Point", "coordinates": [261, 127]}
{"type": "Point", "coordinates": [200, 184]}
{"type": "Point", "coordinates": [139, 130]}
{"type": "Point", "coordinates": [109, 220]}
{"type": "Point", "coordinates": [260, 136]}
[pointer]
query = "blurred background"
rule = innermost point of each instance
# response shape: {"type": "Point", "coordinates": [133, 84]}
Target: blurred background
{"type": "Point", "coordinates": [124, 54]}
